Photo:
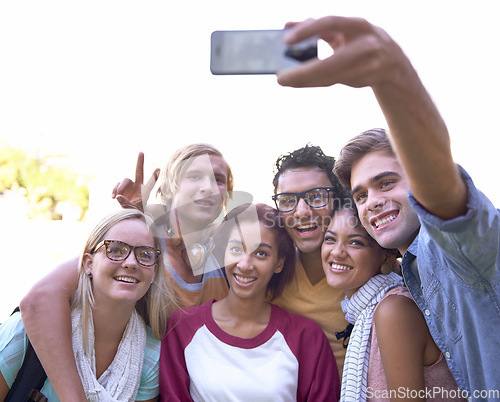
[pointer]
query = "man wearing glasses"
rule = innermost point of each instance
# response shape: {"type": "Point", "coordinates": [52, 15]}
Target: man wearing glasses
{"type": "Point", "coordinates": [306, 194]}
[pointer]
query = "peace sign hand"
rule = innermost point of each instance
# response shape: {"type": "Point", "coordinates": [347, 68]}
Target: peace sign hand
{"type": "Point", "coordinates": [130, 194]}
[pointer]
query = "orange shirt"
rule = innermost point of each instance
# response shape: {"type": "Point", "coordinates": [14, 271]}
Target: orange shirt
{"type": "Point", "coordinates": [320, 303]}
{"type": "Point", "coordinates": [212, 286]}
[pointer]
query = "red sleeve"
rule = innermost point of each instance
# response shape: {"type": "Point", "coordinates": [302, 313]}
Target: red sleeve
{"type": "Point", "coordinates": [318, 375]}
{"type": "Point", "coordinates": [325, 382]}
{"type": "Point", "coordinates": [174, 378]}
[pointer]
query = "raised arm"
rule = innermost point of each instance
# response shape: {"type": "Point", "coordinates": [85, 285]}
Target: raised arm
{"type": "Point", "coordinates": [130, 194]}
{"type": "Point", "coordinates": [46, 316]}
{"type": "Point", "coordinates": [365, 55]}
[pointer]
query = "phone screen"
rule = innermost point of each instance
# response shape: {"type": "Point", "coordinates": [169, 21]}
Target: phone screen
{"type": "Point", "coordinates": [257, 52]}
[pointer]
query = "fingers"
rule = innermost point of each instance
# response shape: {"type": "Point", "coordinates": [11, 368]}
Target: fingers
{"type": "Point", "coordinates": [326, 27]}
{"type": "Point", "coordinates": [290, 24]}
{"type": "Point", "coordinates": [311, 27]}
{"type": "Point", "coordinates": [359, 58]}
{"type": "Point", "coordinates": [139, 168]}
{"type": "Point", "coordinates": [121, 187]}
{"type": "Point", "coordinates": [315, 73]}
{"type": "Point", "coordinates": [115, 190]}
{"type": "Point", "coordinates": [128, 204]}
{"type": "Point", "coordinates": [148, 187]}
{"type": "Point", "coordinates": [355, 65]}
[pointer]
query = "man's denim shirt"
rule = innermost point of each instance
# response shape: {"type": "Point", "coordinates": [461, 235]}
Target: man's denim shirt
{"type": "Point", "coordinates": [457, 289]}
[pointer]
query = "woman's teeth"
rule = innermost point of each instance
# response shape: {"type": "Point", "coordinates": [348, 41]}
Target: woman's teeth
{"type": "Point", "coordinates": [126, 279]}
{"type": "Point", "coordinates": [244, 279]}
{"type": "Point", "coordinates": [340, 267]}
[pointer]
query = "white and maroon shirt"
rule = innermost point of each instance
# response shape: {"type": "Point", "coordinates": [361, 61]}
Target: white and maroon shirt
{"type": "Point", "coordinates": [290, 360]}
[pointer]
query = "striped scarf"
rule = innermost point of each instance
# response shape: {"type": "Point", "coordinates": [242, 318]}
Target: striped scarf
{"type": "Point", "coordinates": [359, 311]}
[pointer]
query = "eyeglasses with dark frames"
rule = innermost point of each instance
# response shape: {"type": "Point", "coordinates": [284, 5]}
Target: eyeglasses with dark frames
{"type": "Point", "coordinates": [119, 251]}
{"type": "Point", "coordinates": [316, 197]}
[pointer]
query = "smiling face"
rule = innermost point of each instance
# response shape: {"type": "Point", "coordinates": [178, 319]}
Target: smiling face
{"type": "Point", "coordinates": [350, 257]}
{"type": "Point", "coordinates": [251, 259]}
{"type": "Point", "coordinates": [306, 225]}
{"type": "Point", "coordinates": [201, 191]}
{"type": "Point", "coordinates": [380, 191]}
{"type": "Point", "coordinates": [126, 281]}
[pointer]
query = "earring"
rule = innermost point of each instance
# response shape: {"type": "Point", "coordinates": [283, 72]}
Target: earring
{"type": "Point", "coordinates": [386, 268]}
{"type": "Point", "coordinates": [89, 274]}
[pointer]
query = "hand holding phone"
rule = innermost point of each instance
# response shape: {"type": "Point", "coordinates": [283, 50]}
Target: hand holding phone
{"type": "Point", "coordinates": [257, 52]}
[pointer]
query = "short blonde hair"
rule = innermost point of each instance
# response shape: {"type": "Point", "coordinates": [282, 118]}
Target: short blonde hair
{"type": "Point", "coordinates": [179, 161]}
{"type": "Point", "coordinates": [154, 307]}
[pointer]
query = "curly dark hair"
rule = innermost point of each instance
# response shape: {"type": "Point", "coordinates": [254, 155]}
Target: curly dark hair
{"type": "Point", "coordinates": [309, 156]}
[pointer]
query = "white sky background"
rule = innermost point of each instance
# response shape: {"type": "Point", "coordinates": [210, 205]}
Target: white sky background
{"type": "Point", "coordinates": [101, 80]}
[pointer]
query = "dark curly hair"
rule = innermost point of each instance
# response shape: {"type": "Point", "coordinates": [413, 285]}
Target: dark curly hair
{"type": "Point", "coordinates": [309, 156]}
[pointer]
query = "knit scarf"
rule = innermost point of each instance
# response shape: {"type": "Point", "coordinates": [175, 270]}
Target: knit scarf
{"type": "Point", "coordinates": [359, 311]}
{"type": "Point", "coordinates": [121, 379]}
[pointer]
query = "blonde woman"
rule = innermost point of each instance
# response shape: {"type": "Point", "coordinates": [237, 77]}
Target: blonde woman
{"type": "Point", "coordinates": [118, 315]}
{"type": "Point", "coordinates": [193, 189]}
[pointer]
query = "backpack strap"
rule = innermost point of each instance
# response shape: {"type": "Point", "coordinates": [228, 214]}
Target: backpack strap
{"type": "Point", "coordinates": [29, 379]}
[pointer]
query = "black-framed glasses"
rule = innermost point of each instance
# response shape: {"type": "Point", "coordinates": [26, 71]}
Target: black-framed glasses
{"type": "Point", "coordinates": [316, 197]}
{"type": "Point", "coordinates": [119, 251]}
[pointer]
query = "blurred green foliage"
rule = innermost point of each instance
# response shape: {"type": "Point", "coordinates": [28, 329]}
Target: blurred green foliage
{"type": "Point", "coordinates": [46, 182]}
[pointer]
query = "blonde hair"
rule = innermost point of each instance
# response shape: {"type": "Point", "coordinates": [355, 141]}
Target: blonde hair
{"type": "Point", "coordinates": [170, 176]}
{"type": "Point", "coordinates": [154, 307]}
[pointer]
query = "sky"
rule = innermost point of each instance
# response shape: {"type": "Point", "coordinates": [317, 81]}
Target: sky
{"type": "Point", "coordinates": [99, 81]}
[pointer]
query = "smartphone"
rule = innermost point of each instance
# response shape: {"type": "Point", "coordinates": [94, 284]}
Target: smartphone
{"type": "Point", "coordinates": [257, 52]}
